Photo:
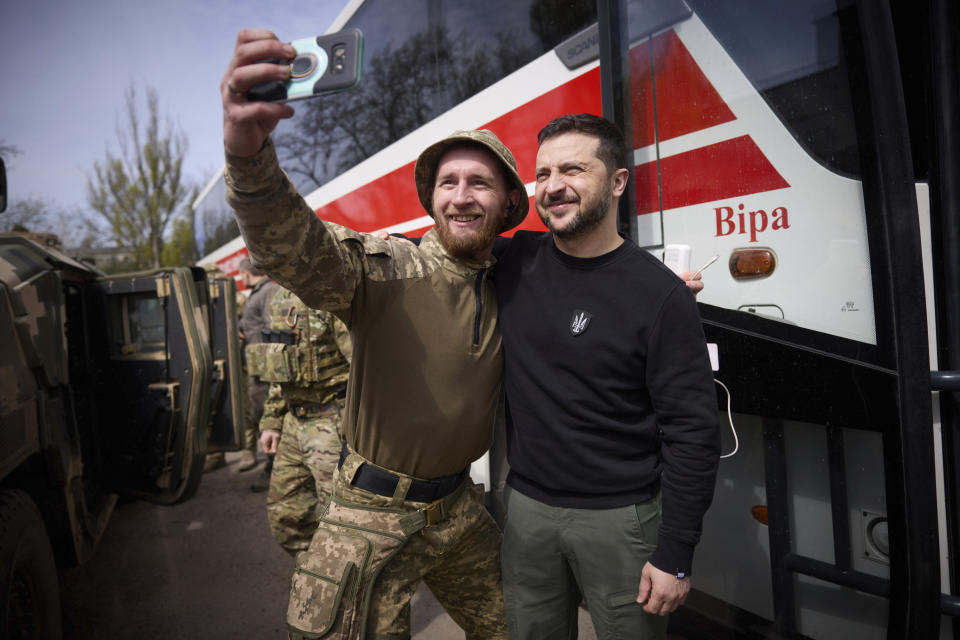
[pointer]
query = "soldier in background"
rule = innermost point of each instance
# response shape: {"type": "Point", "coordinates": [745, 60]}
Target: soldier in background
{"type": "Point", "coordinates": [306, 359]}
{"type": "Point", "coordinates": [254, 319]}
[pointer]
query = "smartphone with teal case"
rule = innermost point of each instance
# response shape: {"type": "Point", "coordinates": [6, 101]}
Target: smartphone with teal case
{"type": "Point", "coordinates": [323, 64]}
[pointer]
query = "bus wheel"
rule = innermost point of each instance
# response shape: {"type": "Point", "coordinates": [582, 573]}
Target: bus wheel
{"type": "Point", "coordinates": [29, 587]}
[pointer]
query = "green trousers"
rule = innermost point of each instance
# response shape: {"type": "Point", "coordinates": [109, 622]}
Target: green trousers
{"type": "Point", "coordinates": [552, 557]}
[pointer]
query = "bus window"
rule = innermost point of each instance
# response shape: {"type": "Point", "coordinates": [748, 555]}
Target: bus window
{"type": "Point", "coordinates": [421, 58]}
{"type": "Point", "coordinates": [793, 56]}
{"type": "Point", "coordinates": [746, 139]}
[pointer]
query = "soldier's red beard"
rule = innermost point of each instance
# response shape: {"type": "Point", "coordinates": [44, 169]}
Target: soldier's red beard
{"type": "Point", "coordinates": [468, 247]}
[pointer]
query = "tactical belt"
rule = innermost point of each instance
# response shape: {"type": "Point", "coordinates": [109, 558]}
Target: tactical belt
{"type": "Point", "coordinates": [310, 409]}
{"type": "Point", "coordinates": [384, 483]}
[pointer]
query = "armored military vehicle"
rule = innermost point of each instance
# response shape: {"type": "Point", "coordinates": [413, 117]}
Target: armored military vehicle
{"type": "Point", "coordinates": [109, 386]}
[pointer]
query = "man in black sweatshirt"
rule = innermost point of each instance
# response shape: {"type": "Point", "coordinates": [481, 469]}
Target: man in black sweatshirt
{"type": "Point", "coordinates": [612, 421]}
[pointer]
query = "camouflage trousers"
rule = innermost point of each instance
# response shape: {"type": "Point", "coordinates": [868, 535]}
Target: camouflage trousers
{"type": "Point", "coordinates": [458, 558]}
{"type": "Point", "coordinates": [302, 476]}
{"type": "Point", "coordinates": [256, 396]}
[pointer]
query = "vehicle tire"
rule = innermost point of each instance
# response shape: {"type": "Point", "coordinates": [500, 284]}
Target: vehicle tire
{"type": "Point", "coordinates": [29, 586]}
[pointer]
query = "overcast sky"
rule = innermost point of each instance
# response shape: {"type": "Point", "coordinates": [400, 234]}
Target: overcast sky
{"type": "Point", "coordinates": [66, 66]}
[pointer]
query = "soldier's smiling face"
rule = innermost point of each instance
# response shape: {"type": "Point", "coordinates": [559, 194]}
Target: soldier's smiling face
{"type": "Point", "coordinates": [469, 201]}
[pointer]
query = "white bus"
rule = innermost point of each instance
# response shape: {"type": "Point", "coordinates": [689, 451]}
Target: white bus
{"type": "Point", "coordinates": [813, 145]}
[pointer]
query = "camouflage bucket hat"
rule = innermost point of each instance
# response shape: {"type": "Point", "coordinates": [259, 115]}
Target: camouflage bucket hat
{"type": "Point", "coordinates": [425, 170]}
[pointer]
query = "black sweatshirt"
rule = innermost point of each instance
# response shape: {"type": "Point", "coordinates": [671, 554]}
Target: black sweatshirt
{"type": "Point", "coordinates": [610, 396]}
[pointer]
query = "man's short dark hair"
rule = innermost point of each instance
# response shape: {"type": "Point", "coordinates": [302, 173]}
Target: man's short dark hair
{"type": "Point", "coordinates": [612, 149]}
{"type": "Point", "coordinates": [247, 265]}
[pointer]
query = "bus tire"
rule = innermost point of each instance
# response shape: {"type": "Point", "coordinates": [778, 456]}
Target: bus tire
{"type": "Point", "coordinates": [29, 586]}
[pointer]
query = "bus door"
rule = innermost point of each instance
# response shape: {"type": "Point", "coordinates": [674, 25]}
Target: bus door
{"type": "Point", "coordinates": [775, 136]}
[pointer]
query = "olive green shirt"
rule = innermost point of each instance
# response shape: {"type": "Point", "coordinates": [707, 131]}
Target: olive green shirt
{"type": "Point", "coordinates": [427, 354]}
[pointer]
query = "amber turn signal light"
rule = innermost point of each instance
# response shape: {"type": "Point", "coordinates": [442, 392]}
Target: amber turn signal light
{"type": "Point", "coordinates": [760, 513]}
{"type": "Point", "coordinates": [748, 264]}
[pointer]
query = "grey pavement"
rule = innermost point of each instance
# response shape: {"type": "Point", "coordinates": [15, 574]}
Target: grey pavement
{"type": "Point", "coordinates": [208, 568]}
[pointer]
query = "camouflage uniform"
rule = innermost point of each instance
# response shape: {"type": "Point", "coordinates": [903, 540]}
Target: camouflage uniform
{"type": "Point", "coordinates": [253, 319]}
{"type": "Point", "coordinates": [424, 383]}
{"type": "Point", "coordinates": [307, 361]}
{"type": "Point", "coordinates": [453, 557]}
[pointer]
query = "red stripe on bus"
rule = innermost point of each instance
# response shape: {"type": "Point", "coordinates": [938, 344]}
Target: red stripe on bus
{"type": "Point", "coordinates": [230, 264]}
{"type": "Point", "coordinates": [388, 200]}
{"type": "Point", "coordinates": [723, 170]}
{"type": "Point", "coordinates": [518, 129]}
{"type": "Point", "coordinates": [392, 198]}
{"type": "Point", "coordinates": [686, 100]}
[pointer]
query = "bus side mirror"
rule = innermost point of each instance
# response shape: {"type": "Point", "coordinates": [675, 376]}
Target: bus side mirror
{"type": "Point", "coordinates": [3, 186]}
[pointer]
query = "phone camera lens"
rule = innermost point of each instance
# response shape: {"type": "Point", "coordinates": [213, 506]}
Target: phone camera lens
{"type": "Point", "coordinates": [303, 65]}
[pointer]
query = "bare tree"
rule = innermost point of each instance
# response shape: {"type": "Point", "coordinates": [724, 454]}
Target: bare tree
{"type": "Point", "coordinates": [139, 191]}
{"type": "Point", "coordinates": [181, 249]}
{"type": "Point", "coordinates": [403, 87]}
{"type": "Point", "coordinates": [37, 214]}
{"type": "Point", "coordinates": [77, 229]}
{"type": "Point", "coordinates": [30, 214]}
{"type": "Point", "coordinates": [554, 20]}
{"type": "Point", "coordinates": [7, 151]}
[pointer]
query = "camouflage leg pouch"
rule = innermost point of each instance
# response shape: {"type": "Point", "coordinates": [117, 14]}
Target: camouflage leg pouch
{"type": "Point", "coordinates": [334, 578]}
{"type": "Point", "coordinates": [324, 586]}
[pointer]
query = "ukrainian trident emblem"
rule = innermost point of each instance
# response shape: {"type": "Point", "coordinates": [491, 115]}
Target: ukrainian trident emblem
{"type": "Point", "coordinates": [579, 322]}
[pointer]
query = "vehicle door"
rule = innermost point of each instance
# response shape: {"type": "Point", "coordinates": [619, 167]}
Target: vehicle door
{"type": "Point", "coordinates": [154, 391]}
{"type": "Point", "coordinates": [227, 397]}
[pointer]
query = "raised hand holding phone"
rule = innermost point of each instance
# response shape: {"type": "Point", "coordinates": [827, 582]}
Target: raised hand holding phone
{"type": "Point", "coordinates": [247, 124]}
{"type": "Point", "coordinates": [261, 60]}
{"type": "Point", "coordinates": [323, 64]}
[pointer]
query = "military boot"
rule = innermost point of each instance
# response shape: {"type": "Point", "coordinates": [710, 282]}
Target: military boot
{"type": "Point", "coordinates": [214, 461]}
{"type": "Point", "coordinates": [263, 483]}
{"type": "Point", "coordinates": [247, 461]}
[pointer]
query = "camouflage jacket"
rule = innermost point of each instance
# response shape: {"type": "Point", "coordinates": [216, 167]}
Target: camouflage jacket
{"type": "Point", "coordinates": [255, 316]}
{"type": "Point", "coordinates": [427, 354]}
{"type": "Point", "coordinates": [306, 358]}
